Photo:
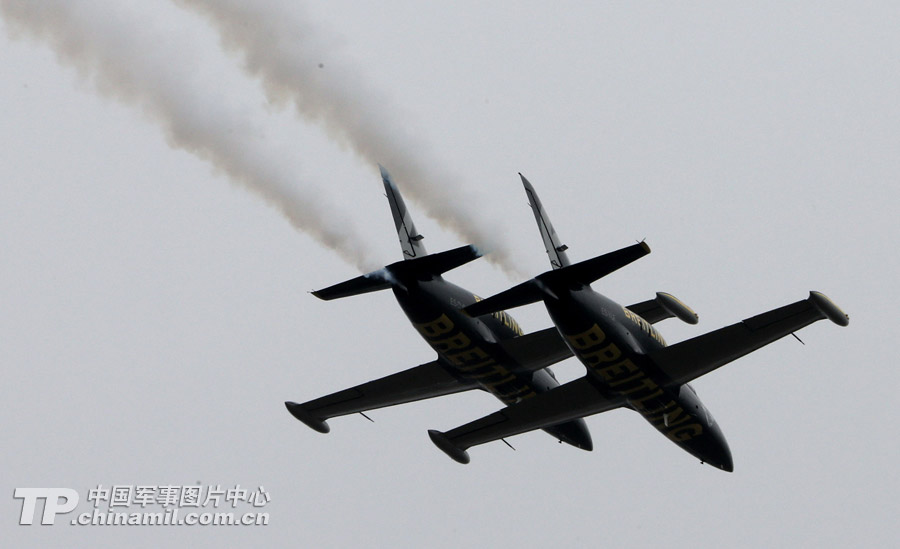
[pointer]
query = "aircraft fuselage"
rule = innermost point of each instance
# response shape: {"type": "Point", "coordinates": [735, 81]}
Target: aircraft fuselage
{"type": "Point", "coordinates": [612, 343]}
{"type": "Point", "coordinates": [468, 347]}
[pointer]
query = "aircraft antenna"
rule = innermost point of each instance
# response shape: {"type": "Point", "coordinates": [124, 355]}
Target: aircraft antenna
{"type": "Point", "coordinates": [797, 338]}
{"type": "Point", "coordinates": [367, 417]}
{"type": "Point", "coordinates": [507, 443]}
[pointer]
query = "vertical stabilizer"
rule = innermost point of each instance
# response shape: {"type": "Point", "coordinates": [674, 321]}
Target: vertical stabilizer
{"type": "Point", "coordinates": [410, 239]}
{"type": "Point", "coordinates": [556, 251]}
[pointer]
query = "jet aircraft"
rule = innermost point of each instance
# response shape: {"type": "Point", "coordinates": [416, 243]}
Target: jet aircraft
{"type": "Point", "coordinates": [628, 362]}
{"type": "Point", "coordinates": [489, 353]}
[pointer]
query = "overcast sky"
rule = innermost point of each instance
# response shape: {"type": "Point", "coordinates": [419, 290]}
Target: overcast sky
{"type": "Point", "coordinates": [166, 204]}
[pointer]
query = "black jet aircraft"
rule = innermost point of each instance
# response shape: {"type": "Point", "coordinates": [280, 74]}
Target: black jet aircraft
{"type": "Point", "coordinates": [627, 360]}
{"type": "Point", "coordinates": [489, 353]}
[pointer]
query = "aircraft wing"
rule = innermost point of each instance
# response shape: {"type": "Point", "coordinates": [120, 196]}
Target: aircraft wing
{"type": "Point", "coordinates": [417, 383]}
{"type": "Point", "coordinates": [536, 350]}
{"type": "Point", "coordinates": [691, 359]}
{"type": "Point", "coordinates": [570, 401]}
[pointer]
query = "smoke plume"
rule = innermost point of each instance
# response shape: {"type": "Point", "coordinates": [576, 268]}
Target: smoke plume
{"type": "Point", "coordinates": [284, 54]}
{"type": "Point", "coordinates": [126, 57]}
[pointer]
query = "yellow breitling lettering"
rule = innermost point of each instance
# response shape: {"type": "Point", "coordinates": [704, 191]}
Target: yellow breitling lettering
{"type": "Point", "coordinates": [673, 416]}
{"type": "Point", "coordinates": [507, 321]}
{"type": "Point", "coordinates": [458, 349]}
{"type": "Point", "coordinates": [625, 367]}
{"type": "Point", "coordinates": [458, 340]}
{"type": "Point", "coordinates": [432, 329]}
{"type": "Point", "coordinates": [606, 354]}
{"type": "Point", "coordinates": [678, 418]}
{"type": "Point", "coordinates": [645, 326]}
{"type": "Point", "coordinates": [627, 379]}
{"type": "Point", "coordinates": [685, 433]}
{"type": "Point", "coordinates": [589, 338]}
{"type": "Point", "coordinates": [674, 422]}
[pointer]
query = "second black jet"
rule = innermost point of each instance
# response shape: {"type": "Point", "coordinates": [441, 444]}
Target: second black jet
{"type": "Point", "coordinates": [490, 353]}
{"type": "Point", "coordinates": [628, 362]}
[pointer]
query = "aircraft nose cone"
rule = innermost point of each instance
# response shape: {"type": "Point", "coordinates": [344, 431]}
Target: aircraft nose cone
{"type": "Point", "coordinates": [711, 448]}
{"type": "Point", "coordinates": [720, 457]}
{"type": "Point", "coordinates": [573, 432]}
{"type": "Point", "coordinates": [729, 467]}
{"type": "Point", "coordinates": [725, 463]}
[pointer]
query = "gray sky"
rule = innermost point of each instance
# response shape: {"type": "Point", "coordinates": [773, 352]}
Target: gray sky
{"type": "Point", "coordinates": [155, 308]}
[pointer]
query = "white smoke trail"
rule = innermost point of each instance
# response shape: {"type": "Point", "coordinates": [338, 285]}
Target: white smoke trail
{"type": "Point", "coordinates": [143, 65]}
{"type": "Point", "coordinates": [284, 53]}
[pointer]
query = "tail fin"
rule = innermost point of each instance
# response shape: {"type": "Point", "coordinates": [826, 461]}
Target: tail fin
{"type": "Point", "coordinates": [410, 239]}
{"type": "Point", "coordinates": [417, 263]}
{"type": "Point", "coordinates": [555, 250]}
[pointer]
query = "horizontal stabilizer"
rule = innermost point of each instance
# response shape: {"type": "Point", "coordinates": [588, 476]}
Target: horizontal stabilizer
{"type": "Point", "coordinates": [522, 294]}
{"type": "Point", "coordinates": [371, 282]}
{"type": "Point", "coordinates": [436, 264]}
{"type": "Point", "coordinates": [382, 279]}
{"type": "Point", "coordinates": [542, 285]}
{"type": "Point", "coordinates": [695, 357]}
{"type": "Point", "coordinates": [590, 270]}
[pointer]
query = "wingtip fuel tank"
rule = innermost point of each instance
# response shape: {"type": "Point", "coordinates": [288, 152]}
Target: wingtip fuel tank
{"type": "Point", "coordinates": [828, 308]}
{"type": "Point", "coordinates": [311, 421]}
{"type": "Point", "coordinates": [675, 306]}
{"type": "Point", "coordinates": [455, 452]}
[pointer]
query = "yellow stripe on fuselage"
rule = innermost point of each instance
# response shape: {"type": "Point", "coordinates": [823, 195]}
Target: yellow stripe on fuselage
{"type": "Point", "coordinates": [627, 379]}
{"type": "Point", "coordinates": [472, 361]}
